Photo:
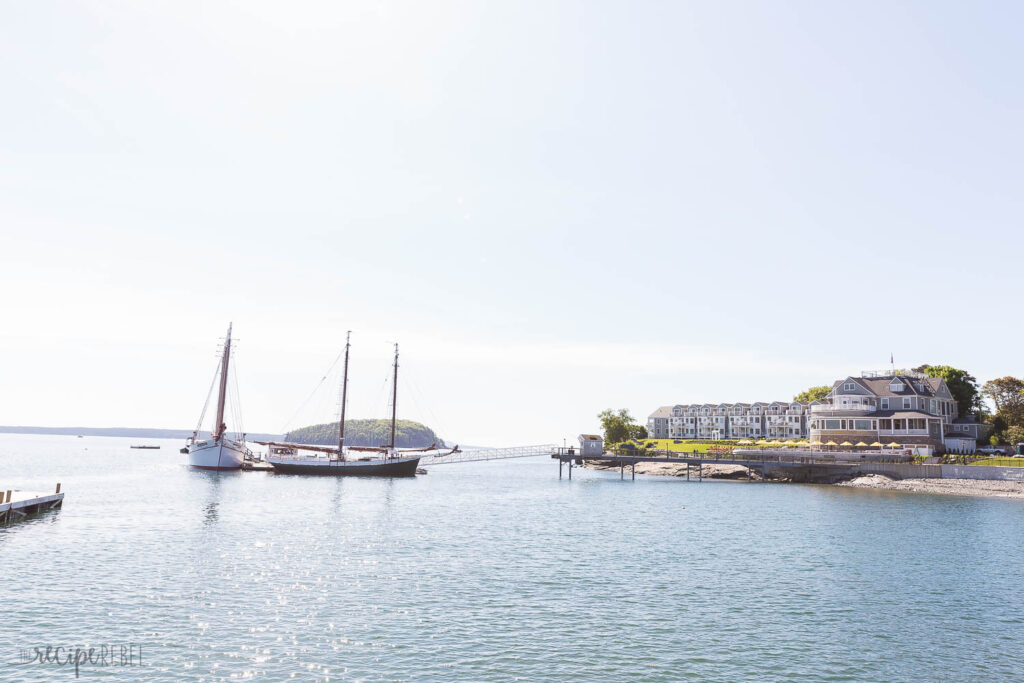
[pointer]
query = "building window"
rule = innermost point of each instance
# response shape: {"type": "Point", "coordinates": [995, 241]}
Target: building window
{"type": "Point", "coordinates": [862, 425]}
{"type": "Point", "coordinates": [885, 404]}
{"type": "Point", "coordinates": [906, 403]}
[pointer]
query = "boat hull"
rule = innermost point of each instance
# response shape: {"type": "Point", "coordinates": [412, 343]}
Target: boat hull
{"type": "Point", "coordinates": [390, 467]}
{"type": "Point", "coordinates": [216, 455]}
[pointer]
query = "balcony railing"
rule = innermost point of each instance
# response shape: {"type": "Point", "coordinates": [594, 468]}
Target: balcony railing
{"type": "Point", "coordinates": [829, 407]}
{"type": "Point", "coordinates": [903, 432]}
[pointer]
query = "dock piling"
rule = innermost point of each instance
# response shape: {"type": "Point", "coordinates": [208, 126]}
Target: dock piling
{"type": "Point", "coordinates": [58, 488]}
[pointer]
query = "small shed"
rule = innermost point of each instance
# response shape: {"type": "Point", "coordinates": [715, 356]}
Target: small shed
{"type": "Point", "coordinates": [591, 444]}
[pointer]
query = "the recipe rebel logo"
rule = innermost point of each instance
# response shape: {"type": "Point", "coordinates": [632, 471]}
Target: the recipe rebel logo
{"type": "Point", "coordinates": [76, 657]}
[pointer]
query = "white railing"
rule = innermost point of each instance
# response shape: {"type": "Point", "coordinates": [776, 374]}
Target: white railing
{"type": "Point", "coordinates": [830, 407]}
{"type": "Point", "coordinates": [903, 432]}
{"type": "Point", "coordinates": [478, 454]}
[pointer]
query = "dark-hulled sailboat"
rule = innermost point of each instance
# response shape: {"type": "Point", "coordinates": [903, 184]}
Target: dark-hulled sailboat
{"type": "Point", "coordinates": [383, 461]}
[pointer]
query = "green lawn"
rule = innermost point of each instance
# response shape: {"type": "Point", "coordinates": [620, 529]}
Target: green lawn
{"type": "Point", "coordinates": [689, 446]}
{"type": "Point", "coordinates": [1001, 462]}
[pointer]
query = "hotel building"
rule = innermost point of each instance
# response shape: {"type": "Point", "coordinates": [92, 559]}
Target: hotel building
{"type": "Point", "coordinates": [909, 408]}
{"type": "Point", "coordinates": [906, 407]}
{"type": "Point", "coordinates": [712, 421]}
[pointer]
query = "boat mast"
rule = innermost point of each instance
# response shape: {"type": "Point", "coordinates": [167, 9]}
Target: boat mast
{"type": "Point", "coordinates": [344, 391]}
{"type": "Point", "coordinates": [394, 399]}
{"type": "Point", "coordinates": [219, 427]}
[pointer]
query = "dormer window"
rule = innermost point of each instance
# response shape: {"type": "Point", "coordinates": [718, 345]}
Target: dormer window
{"type": "Point", "coordinates": [895, 386]}
{"type": "Point", "coordinates": [849, 386]}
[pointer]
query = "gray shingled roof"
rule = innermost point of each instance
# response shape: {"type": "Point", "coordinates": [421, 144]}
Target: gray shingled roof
{"type": "Point", "coordinates": [664, 411]}
{"type": "Point", "coordinates": [879, 386]}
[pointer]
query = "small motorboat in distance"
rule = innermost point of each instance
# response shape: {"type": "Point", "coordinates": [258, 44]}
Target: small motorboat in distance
{"type": "Point", "coordinates": [146, 447]}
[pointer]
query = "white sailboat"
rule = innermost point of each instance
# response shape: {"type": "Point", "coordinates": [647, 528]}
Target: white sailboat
{"type": "Point", "coordinates": [218, 452]}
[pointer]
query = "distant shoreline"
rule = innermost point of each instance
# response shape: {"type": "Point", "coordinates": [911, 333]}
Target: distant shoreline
{"type": "Point", "coordinates": [134, 432]}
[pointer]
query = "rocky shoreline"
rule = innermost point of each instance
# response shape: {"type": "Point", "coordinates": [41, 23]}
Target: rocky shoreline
{"type": "Point", "coordinates": [953, 487]}
{"type": "Point", "coordinates": [672, 469]}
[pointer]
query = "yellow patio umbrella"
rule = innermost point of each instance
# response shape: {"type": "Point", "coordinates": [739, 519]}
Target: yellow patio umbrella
{"type": "Point", "coordinates": [861, 444]}
{"type": "Point", "coordinates": [744, 442]}
{"type": "Point", "coordinates": [846, 443]}
{"type": "Point", "coordinates": [815, 443]}
{"type": "Point", "coordinates": [831, 443]}
{"type": "Point", "coordinates": [894, 445]}
{"type": "Point", "coordinates": [877, 444]}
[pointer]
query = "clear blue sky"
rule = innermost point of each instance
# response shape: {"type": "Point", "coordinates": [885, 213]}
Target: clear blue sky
{"type": "Point", "coordinates": [555, 207]}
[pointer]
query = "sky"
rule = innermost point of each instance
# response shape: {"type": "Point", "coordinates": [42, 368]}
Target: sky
{"type": "Point", "coordinates": [553, 207]}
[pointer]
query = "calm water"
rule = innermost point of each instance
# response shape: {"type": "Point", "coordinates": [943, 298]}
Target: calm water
{"type": "Point", "coordinates": [499, 571]}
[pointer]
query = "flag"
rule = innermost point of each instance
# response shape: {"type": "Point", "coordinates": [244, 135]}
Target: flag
{"type": "Point", "coordinates": [891, 361]}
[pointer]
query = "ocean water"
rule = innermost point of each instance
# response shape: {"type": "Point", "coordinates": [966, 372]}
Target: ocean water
{"type": "Point", "coordinates": [497, 572]}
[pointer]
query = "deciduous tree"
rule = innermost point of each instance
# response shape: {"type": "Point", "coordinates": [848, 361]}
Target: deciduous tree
{"type": "Point", "coordinates": [637, 432]}
{"type": "Point", "coordinates": [961, 383]}
{"type": "Point", "coordinates": [1008, 395]}
{"type": "Point", "coordinates": [618, 425]}
{"type": "Point", "coordinates": [813, 394]}
{"type": "Point", "coordinates": [1014, 435]}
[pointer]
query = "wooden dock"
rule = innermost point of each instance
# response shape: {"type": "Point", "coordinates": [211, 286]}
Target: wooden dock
{"type": "Point", "coordinates": [798, 467]}
{"type": "Point", "coordinates": [16, 505]}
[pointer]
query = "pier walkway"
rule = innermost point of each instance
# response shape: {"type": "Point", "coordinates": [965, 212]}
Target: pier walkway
{"type": "Point", "coordinates": [480, 454]}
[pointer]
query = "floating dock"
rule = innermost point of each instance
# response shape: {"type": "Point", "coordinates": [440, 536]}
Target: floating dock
{"type": "Point", "coordinates": [16, 505]}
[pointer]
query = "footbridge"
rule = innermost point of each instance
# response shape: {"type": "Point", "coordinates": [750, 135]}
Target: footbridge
{"type": "Point", "coordinates": [480, 454]}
